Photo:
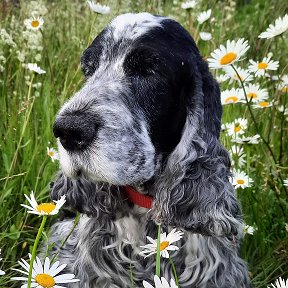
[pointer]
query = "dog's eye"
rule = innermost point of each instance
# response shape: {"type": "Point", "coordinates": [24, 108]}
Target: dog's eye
{"type": "Point", "coordinates": [140, 63]}
{"type": "Point", "coordinates": [91, 56]}
{"type": "Point", "coordinates": [90, 61]}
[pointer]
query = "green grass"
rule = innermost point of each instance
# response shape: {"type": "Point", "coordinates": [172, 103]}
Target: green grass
{"type": "Point", "coordinates": [27, 114]}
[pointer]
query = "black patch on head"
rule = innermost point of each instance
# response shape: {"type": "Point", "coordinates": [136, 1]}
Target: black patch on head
{"type": "Point", "coordinates": [159, 67]}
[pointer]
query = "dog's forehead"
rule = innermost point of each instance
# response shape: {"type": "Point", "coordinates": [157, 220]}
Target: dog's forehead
{"type": "Point", "coordinates": [131, 26]}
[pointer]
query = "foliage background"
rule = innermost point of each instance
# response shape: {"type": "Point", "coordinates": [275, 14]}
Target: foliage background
{"type": "Point", "coordinates": [28, 109]}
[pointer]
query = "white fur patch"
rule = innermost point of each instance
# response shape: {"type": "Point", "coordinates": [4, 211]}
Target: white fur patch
{"type": "Point", "coordinates": [133, 26]}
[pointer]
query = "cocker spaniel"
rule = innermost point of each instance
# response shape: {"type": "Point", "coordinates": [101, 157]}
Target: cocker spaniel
{"type": "Point", "coordinates": [139, 145]}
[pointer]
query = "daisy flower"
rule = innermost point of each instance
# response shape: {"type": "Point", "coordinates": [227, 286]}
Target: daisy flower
{"type": "Point", "coordinates": [249, 229]}
{"type": "Point", "coordinates": [247, 140]}
{"type": "Point", "coordinates": [237, 127]}
{"type": "Point", "coordinates": [223, 127]}
{"type": "Point", "coordinates": [98, 8]}
{"type": "Point", "coordinates": [285, 182]}
{"type": "Point", "coordinates": [189, 4]}
{"type": "Point", "coordinates": [205, 36]}
{"type": "Point", "coordinates": [204, 16]}
{"type": "Point", "coordinates": [224, 56]}
{"type": "Point", "coordinates": [244, 74]}
{"type": "Point", "coordinates": [259, 68]}
{"type": "Point", "coordinates": [35, 68]}
{"type": "Point", "coordinates": [222, 78]}
{"type": "Point", "coordinates": [283, 88]}
{"type": "Point", "coordinates": [165, 244]}
{"type": "Point", "coordinates": [284, 79]}
{"type": "Point", "coordinates": [280, 26]}
{"type": "Point", "coordinates": [44, 276]}
{"type": "Point", "coordinates": [280, 283]}
{"type": "Point", "coordinates": [34, 23]}
{"type": "Point", "coordinates": [231, 96]}
{"type": "Point", "coordinates": [236, 150]}
{"type": "Point", "coordinates": [255, 94]}
{"type": "Point", "coordinates": [1, 272]}
{"type": "Point", "coordinates": [283, 85]}
{"type": "Point", "coordinates": [44, 208]}
{"type": "Point", "coordinates": [241, 160]}
{"type": "Point", "coordinates": [282, 109]}
{"type": "Point", "coordinates": [241, 179]}
{"type": "Point", "coordinates": [163, 283]}
{"type": "Point", "coordinates": [237, 153]}
{"type": "Point", "coordinates": [53, 154]}
{"type": "Point", "coordinates": [262, 104]}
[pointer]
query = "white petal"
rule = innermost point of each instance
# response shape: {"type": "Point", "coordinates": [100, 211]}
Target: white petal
{"type": "Point", "coordinates": [164, 254]}
{"type": "Point", "coordinates": [46, 265]}
{"type": "Point", "coordinates": [54, 266]}
{"type": "Point", "coordinates": [164, 282]}
{"type": "Point", "coordinates": [65, 278]}
{"type": "Point", "coordinates": [172, 248]}
{"type": "Point", "coordinates": [157, 282]}
{"type": "Point", "coordinates": [59, 269]}
{"type": "Point", "coordinates": [152, 240]}
{"type": "Point", "coordinates": [20, 271]}
{"type": "Point", "coordinates": [19, 278]}
{"type": "Point", "coordinates": [147, 285]}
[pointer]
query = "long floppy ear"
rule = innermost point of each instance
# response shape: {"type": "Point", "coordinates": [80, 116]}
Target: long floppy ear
{"type": "Point", "coordinates": [193, 191]}
{"type": "Point", "coordinates": [87, 197]}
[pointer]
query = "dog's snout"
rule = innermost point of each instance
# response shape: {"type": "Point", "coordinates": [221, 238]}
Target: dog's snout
{"type": "Point", "coordinates": [74, 132]}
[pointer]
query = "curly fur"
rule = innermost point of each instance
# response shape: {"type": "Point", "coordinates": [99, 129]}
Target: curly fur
{"type": "Point", "coordinates": [155, 126]}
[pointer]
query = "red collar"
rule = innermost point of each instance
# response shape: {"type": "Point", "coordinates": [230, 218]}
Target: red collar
{"type": "Point", "coordinates": [137, 198]}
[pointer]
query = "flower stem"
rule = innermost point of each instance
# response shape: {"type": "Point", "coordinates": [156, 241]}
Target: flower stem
{"type": "Point", "coordinates": [35, 249]}
{"type": "Point", "coordinates": [158, 252]}
{"type": "Point", "coordinates": [174, 271]}
{"type": "Point", "coordinates": [76, 220]}
{"type": "Point", "coordinates": [253, 117]}
{"type": "Point", "coordinates": [131, 275]}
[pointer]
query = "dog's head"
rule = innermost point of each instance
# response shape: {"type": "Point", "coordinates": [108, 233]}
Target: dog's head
{"type": "Point", "coordinates": [149, 110]}
{"type": "Point", "coordinates": [142, 74]}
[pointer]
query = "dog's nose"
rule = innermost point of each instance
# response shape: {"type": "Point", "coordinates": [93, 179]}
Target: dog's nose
{"type": "Point", "coordinates": [75, 133]}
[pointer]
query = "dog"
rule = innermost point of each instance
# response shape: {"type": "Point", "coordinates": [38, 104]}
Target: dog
{"type": "Point", "coordinates": [139, 145]}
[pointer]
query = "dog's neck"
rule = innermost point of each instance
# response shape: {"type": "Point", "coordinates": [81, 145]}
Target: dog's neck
{"type": "Point", "coordinates": [137, 198]}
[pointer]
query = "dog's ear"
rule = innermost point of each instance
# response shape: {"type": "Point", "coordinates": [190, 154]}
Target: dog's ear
{"type": "Point", "coordinates": [87, 197]}
{"type": "Point", "coordinates": [193, 191]}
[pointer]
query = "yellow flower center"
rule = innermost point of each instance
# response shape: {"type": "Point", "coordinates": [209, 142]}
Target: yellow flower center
{"type": "Point", "coordinates": [240, 181]}
{"type": "Point", "coordinates": [228, 58]}
{"type": "Point", "coordinates": [45, 280]}
{"type": "Point", "coordinates": [264, 104]}
{"type": "Point", "coordinates": [237, 128]}
{"type": "Point", "coordinates": [35, 23]}
{"type": "Point", "coordinates": [284, 89]}
{"type": "Point", "coordinates": [231, 99]}
{"type": "Point", "coordinates": [46, 207]}
{"type": "Point", "coordinates": [164, 245]}
{"type": "Point", "coordinates": [252, 95]}
{"type": "Point", "coordinates": [262, 65]}
{"type": "Point", "coordinates": [51, 153]}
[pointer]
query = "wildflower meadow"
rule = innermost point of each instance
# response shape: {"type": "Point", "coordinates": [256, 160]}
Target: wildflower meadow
{"type": "Point", "coordinates": [245, 44]}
